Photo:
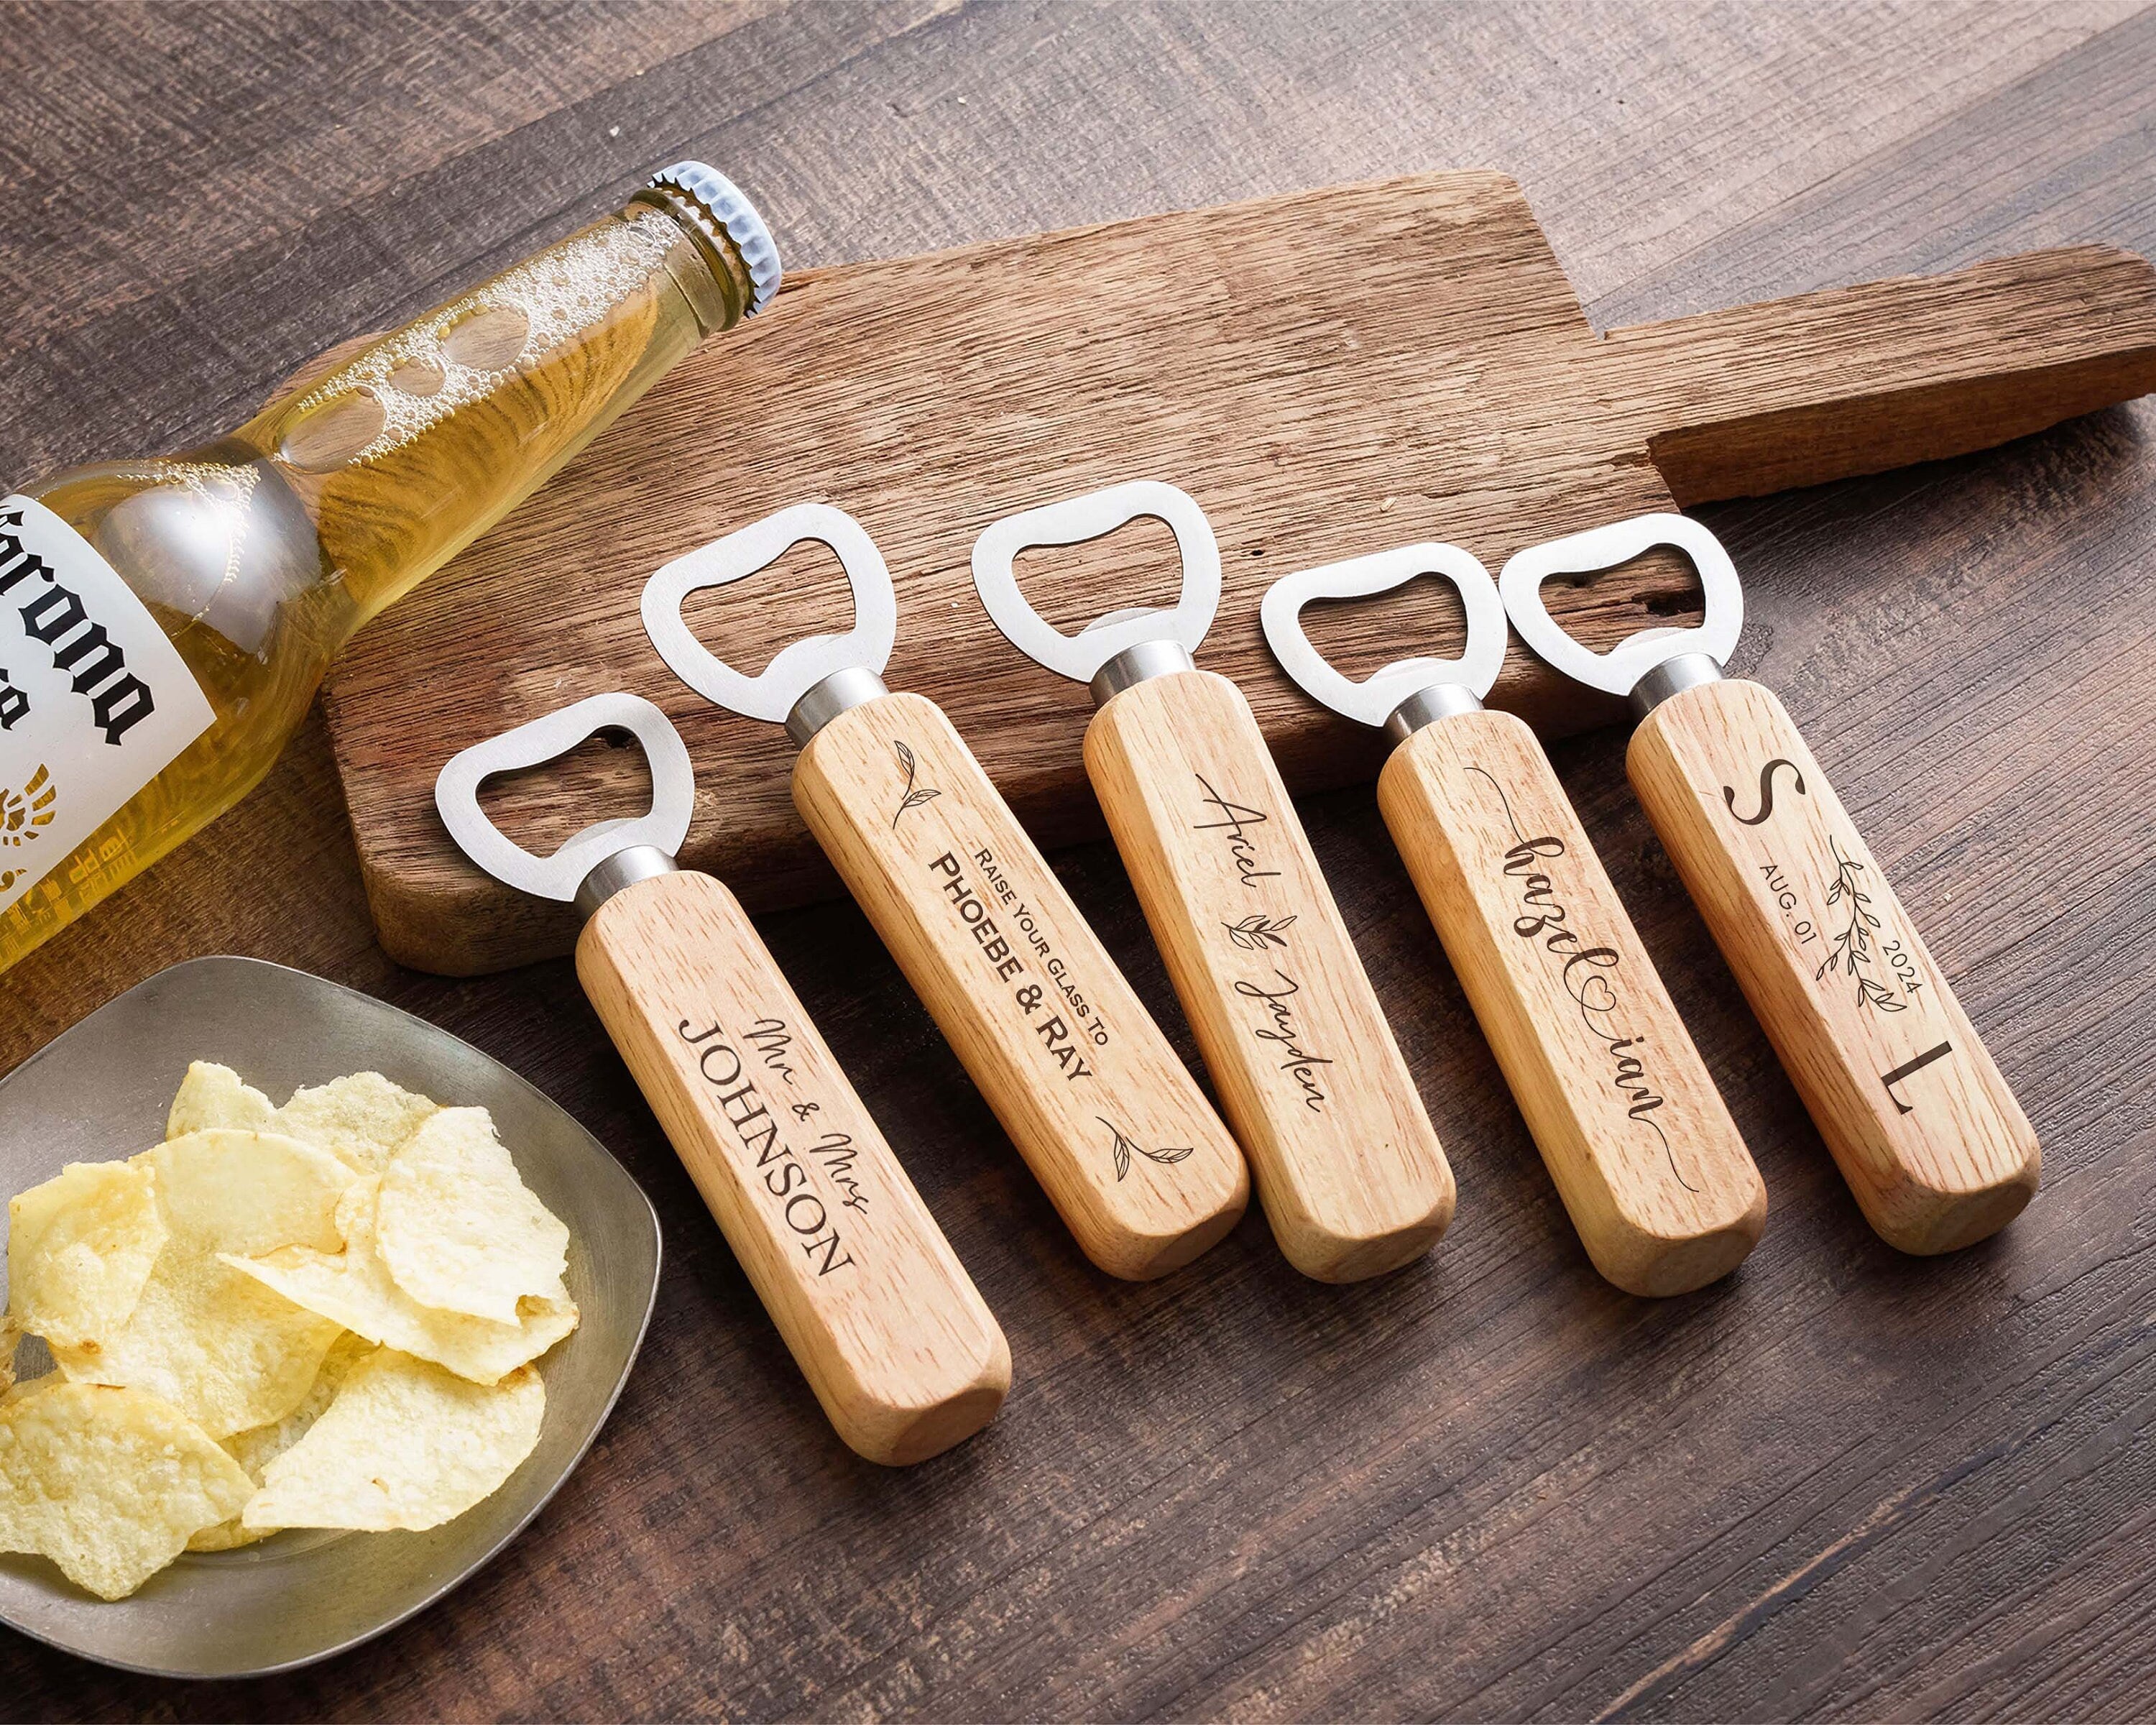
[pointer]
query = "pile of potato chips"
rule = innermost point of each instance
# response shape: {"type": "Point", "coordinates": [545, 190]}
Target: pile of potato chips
{"type": "Point", "coordinates": [317, 1316]}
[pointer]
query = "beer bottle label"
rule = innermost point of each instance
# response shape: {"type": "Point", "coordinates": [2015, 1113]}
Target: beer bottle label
{"type": "Point", "coordinates": [94, 701]}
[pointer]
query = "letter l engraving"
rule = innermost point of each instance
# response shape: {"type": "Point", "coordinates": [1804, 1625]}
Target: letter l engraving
{"type": "Point", "coordinates": [1909, 1069]}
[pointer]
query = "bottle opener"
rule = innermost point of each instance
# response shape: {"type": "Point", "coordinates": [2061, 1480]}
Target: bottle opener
{"type": "Point", "coordinates": [1346, 1164]}
{"type": "Point", "coordinates": [882, 1318]}
{"type": "Point", "coordinates": [1638, 1141]}
{"type": "Point", "coordinates": [1928, 1136]}
{"type": "Point", "coordinates": [1089, 1089]}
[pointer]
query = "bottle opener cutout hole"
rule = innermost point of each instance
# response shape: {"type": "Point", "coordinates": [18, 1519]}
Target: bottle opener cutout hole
{"type": "Point", "coordinates": [1089, 516]}
{"type": "Point", "coordinates": [544, 740]}
{"type": "Point", "coordinates": [797, 668]}
{"type": "Point", "coordinates": [802, 593]}
{"type": "Point", "coordinates": [1658, 589]}
{"type": "Point", "coordinates": [1358, 638]}
{"type": "Point", "coordinates": [1530, 574]}
{"type": "Point", "coordinates": [1137, 566]}
{"type": "Point", "coordinates": [541, 807]}
{"type": "Point", "coordinates": [1372, 699]}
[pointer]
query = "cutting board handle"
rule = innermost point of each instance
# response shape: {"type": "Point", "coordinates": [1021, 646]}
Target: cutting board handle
{"type": "Point", "coordinates": [1347, 1163]}
{"type": "Point", "coordinates": [1852, 380]}
{"type": "Point", "coordinates": [1643, 1152]}
{"type": "Point", "coordinates": [1932, 1141]}
{"type": "Point", "coordinates": [1109, 1120]}
{"type": "Point", "coordinates": [886, 1324]}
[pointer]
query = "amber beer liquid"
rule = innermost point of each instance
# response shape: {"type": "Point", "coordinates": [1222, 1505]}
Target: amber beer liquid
{"type": "Point", "coordinates": [164, 622]}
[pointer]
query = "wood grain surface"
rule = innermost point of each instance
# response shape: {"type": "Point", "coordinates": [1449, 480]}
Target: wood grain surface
{"type": "Point", "coordinates": [880, 1315]}
{"type": "Point", "coordinates": [1842, 1482]}
{"type": "Point", "coordinates": [1129, 1150]}
{"type": "Point", "coordinates": [1638, 1142]}
{"type": "Point", "coordinates": [1329, 373]}
{"type": "Point", "coordinates": [1341, 1148]}
{"type": "Point", "coordinates": [1930, 1137]}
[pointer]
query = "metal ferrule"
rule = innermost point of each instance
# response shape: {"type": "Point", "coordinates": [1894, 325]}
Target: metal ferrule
{"type": "Point", "coordinates": [1426, 707]}
{"type": "Point", "coordinates": [842, 691]}
{"type": "Point", "coordinates": [1672, 676]}
{"type": "Point", "coordinates": [1134, 665]}
{"type": "Point", "coordinates": [624, 868]}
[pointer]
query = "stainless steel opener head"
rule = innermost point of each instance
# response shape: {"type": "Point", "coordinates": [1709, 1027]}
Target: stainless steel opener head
{"type": "Point", "coordinates": [1378, 696]}
{"type": "Point", "coordinates": [560, 876]}
{"type": "Point", "coordinates": [797, 668]}
{"type": "Point", "coordinates": [1072, 521]}
{"type": "Point", "coordinates": [1619, 670]}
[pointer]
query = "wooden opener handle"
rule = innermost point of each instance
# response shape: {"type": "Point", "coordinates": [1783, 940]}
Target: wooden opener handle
{"type": "Point", "coordinates": [878, 1312]}
{"type": "Point", "coordinates": [1114, 1128]}
{"type": "Point", "coordinates": [1643, 1152]}
{"type": "Point", "coordinates": [1930, 1137]}
{"type": "Point", "coordinates": [1346, 1164]}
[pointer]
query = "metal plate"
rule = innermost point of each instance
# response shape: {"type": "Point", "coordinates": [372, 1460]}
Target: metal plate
{"type": "Point", "coordinates": [1617, 670]}
{"type": "Point", "coordinates": [1374, 699]}
{"type": "Point", "coordinates": [543, 739]}
{"type": "Point", "coordinates": [800, 666]}
{"type": "Point", "coordinates": [100, 1091]}
{"type": "Point", "coordinates": [1072, 520]}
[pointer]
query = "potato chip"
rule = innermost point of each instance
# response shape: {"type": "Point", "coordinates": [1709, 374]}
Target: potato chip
{"type": "Point", "coordinates": [109, 1483]}
{"type": "Point", "coordinates": [323, 1314]}
{"type": "Point", "coordinates": [404, 1445]}
{"type": "Point", "coordinates": [458, 1229]}
{"type": "Point", "coordinates": [225, 1536]}
{"type": "Point", "coordinates": [257, 1447]}
{"type": "Point", "coordinates": [225, 1351]}
{"type": "Point", "coordinates": [354, 1288]}
{"type": "Point", "coordinates": [211, 1095]}
{"type": "Point", "coordinates": [362, 1118]}
{"type": "Point", "coordinates": [79, 1248]}
{"type": "Point", "coordinates": [247, 1192]}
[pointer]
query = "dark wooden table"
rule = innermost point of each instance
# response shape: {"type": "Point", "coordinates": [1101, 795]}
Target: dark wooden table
{"type": "Point", "coordinates": [1843, 1482]}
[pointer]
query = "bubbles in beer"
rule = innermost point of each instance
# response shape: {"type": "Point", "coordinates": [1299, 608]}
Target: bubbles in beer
{"type": "Point", "coordinates": [456, 356]}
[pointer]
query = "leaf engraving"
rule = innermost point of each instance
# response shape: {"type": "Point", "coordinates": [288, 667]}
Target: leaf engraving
{"type": "Point", "coordinates": [1853, 948]}
{"type": "Point", "coordinates": [1125, 1148]}
{"type": "Point", "coordinates": [911, 798]}
{"type": "Point", "coordinates": [1256, 933]}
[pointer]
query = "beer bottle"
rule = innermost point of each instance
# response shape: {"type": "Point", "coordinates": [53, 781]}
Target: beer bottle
{"type": "Point", "coordinates": [164, 622]}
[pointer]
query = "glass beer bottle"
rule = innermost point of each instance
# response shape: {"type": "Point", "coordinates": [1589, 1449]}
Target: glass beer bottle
{"type": "Point", "coordinates": [164, 622]}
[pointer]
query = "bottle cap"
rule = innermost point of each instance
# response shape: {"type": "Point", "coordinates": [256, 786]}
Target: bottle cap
{"type": "Point", "coordinates": [724, 204]}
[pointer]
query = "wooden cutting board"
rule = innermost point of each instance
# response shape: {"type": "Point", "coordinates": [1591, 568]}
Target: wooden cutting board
{"type": "Point", "coordinates": [1328, 374]}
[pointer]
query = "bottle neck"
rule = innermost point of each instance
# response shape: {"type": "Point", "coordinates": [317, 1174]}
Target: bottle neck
{"type": "Point", "coordinates": [271, 546]}
{"type": "Point", "coordinates": [409, 450]}
{"type": "Point", "coordinates": [720, 289]}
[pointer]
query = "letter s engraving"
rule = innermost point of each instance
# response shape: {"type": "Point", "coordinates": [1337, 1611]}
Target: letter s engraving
{"type": "Point", "coordinates": [1766, 791]}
